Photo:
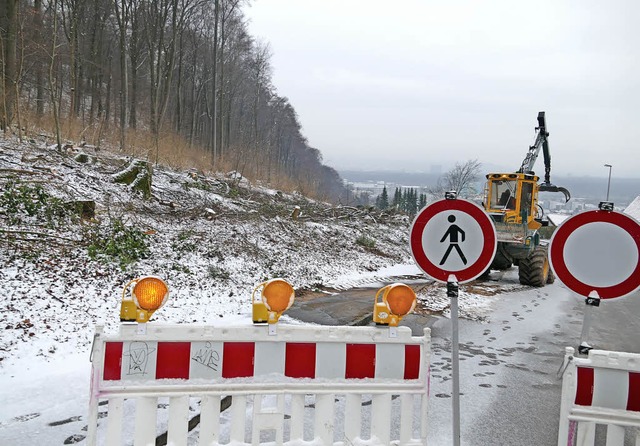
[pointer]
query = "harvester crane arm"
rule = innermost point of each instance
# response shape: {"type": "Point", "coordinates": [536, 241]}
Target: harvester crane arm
{"type": "Point", "coordinates": [542, 142]}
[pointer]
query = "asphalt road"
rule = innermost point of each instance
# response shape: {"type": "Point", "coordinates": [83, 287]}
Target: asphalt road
{"type": "Point", "coordinates": [510, 391]}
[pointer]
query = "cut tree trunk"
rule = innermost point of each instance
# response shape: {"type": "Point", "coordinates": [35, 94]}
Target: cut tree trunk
{"type": "Point", "coordinates": [137, 175]}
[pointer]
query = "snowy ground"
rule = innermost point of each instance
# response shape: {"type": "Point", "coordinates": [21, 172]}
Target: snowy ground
{"type": "Point", "coordinates": [211, 238]}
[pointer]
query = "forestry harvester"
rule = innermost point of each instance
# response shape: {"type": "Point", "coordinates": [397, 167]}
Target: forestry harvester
{"type": "Point", "coordinates": [511, 199]}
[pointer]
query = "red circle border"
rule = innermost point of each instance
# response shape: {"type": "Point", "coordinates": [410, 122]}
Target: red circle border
{"type": "Point", "coordinates": [559, 240]}
{"type": "Point", "coordinates": [488, 232]}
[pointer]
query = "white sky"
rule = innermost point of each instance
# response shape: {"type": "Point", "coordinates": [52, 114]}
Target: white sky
{"type": "Point", "coordinates": [419, 83]}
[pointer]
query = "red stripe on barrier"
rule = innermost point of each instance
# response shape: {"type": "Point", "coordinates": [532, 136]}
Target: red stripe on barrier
{"type": "Point", "coordinates": [300, 360]}
{"type": "Point", "coordinates": [112, 361]}
{"type": "Point", "coordinates": [633, 402]}
{"type": "Point", "coordinates": [411, 361]}
{"type": "Point", "coordinates": [173, 360]}
{"type": "Point", "coordinates": [238, 359]}
{"type": "Point", "coordinates": [584, 391]}
{"type": "Point", "coordinates": [361, 361]}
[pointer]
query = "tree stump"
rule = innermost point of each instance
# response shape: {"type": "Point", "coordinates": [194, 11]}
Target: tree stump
{"type": "Point", "coordinates": [137, 175]}
{"type": "Point", "coordinates": [85, 209]}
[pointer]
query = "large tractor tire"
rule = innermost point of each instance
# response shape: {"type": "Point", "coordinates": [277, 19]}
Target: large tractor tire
{"type": "Point", "coordinates": [552, 277]}
{"type": "Point", "coordinates": [502, 260]}
{"type": "Point", "coordinates": [534, 270]}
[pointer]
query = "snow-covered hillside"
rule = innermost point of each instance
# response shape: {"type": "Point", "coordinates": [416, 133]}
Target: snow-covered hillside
{"type": "Point", "coordinates": [211, 237]}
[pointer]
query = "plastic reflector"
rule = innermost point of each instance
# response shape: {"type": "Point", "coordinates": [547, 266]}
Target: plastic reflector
{"type": "Point", "coordinates": [112, 361]}
{"type": "Point", "coordinates": [300, 360]}
{"type": "Point", "coordinates": [238, 359]}
{"type": "Point", "coordinates": [173, 360]}
{"type": "Point", "coordinates": [361, 361]}
{"type": "Point", "coordinates": [633, 403]}
{"type": "Point", "coordinates": [584, 391]}
{"type": "Point", "coordinates": [150, 293]}
{"type": "Point", "coordinates": [411, 361]}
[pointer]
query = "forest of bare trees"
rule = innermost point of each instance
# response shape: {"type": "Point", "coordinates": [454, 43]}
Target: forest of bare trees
{"type": "Point", "coordinates": [183, 73]}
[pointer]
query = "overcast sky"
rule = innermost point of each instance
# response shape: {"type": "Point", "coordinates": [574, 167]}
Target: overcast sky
{"type": "Point", "coordinates": [414, 84]}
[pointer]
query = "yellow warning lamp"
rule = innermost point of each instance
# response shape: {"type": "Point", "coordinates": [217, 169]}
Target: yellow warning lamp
{"type": "Point", "coordinates": [148, 294]}
{"type": "Point", "coordinates": [276, 297]}
{"type": "Point", "coordinates": [398, 300]}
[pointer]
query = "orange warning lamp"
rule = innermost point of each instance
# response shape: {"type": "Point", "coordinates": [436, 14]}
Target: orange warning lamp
{"type": "Point", "coordinates": [398, 300]}
{"type": "Point", "coordinates": [276, 297]}
{"type": "Point", "coordinates": [148, 295]}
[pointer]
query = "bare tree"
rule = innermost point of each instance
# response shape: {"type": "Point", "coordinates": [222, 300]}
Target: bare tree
{"type": "Point", "coordinates": [8, 40]}
{"type": "Point", "coordinates": [208, 81]}
{"type": "Point", "coordinates": [122, 13]}
{"type": "Point", "coordinates": [52, 77]}
{"type": "Point", "coordinates": [461, 178]}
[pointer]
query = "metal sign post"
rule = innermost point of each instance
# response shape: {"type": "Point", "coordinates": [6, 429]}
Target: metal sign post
{"type": "Point", "coordinates": [590, 303]}
{"type": "Point", "coordinates": [452, 241]}
{"type": "Point", "coordinates": [452, 293]}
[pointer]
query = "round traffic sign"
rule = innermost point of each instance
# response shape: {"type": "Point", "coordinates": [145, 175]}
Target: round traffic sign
{"type": "Point", "coordinates": [453, 237]}
{"type": "Point", "coordinates": [597, 251]}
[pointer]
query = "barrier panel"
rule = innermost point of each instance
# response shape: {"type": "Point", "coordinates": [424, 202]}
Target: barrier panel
{"type": "Point", "coordinates": [600, 393]}
{"type": "Point", "coordinates": [314, 385]}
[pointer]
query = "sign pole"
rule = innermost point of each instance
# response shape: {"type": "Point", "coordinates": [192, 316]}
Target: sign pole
{"type": "Point", "coordinates": [590, 303]}
{"type": "Point", "coordinates": [452, 292]}
{"type": "Point", "coordinates": [453, 241]}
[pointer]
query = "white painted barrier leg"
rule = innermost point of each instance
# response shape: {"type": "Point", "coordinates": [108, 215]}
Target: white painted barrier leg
{"type": "Point", "coordinates": [297, 417]}
{"type": "Point", "coordinates": [146, 419]}
{"type": "Point", "coordinates": [96, 369]}
{"type": "Point", "coordinates": [615, 435]}
{"type": "Point", "coordinates": [178, 428]}
{"type": "Point", "coordinates": [381, 417]}
{"type": "Point", "coordinates": [324, 418]}
{"type": "Point", "coordinates": [114, 421]}
{"type": "Point", "coordinates": [424, 409]}
{"type": "Point", "coordinates": [586, 434]}
{"type": "Point", "coordinates": [568, 393]}
{"type": "Point", "coordinates": [209, 420]}
{"type": "Point", "coordinates": [352, 417]}
{"type": "Point", "coordinates": [238, 417]}
{"type": "Point", "coordinates": [406, 418]}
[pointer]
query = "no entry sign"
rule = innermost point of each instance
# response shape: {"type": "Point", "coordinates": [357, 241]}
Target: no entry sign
{"type": "Point", "coordinates": [453, 237]}
{"type": "Point", "coordinates": [597, 251]}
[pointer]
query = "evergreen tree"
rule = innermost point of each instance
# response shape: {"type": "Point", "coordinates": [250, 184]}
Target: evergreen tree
{"type": "Point", "coordinates": [397, 199]}
{"type": "Point", "coordinates": [405, 200]}
{"type": "Point", "coordinates": [382, 202]}
{"type": "Point", "coordinates": [423, 201]}
{"type": "Point", "coordinates": [412, 202]}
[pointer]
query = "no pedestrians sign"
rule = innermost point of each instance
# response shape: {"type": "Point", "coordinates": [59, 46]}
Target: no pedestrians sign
{"type": "Point", "coordinates": [453, 237]}
{"type": "Point", "coordinates": [597, 251]}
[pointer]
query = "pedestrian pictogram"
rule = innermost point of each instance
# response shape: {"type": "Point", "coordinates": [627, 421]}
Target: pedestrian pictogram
{"type": "Point", "coordinates": [597, 252]}
{"type": "Point", "coordinates": [452, 234]}
{"type": "Point", "coordinates": [453, 237]}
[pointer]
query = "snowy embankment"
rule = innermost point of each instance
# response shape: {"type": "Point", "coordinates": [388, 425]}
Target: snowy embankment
{"type": "Point", "coordinates": [213, 239]}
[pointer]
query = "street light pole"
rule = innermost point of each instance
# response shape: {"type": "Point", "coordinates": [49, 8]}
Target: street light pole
{"type": "Point", "coordinates": [608, 182]}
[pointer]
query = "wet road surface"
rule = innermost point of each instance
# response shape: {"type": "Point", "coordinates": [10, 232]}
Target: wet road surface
{"type": "Point", "coordinates": [509, 359]}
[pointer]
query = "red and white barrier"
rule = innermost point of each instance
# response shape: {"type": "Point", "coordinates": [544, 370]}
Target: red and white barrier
{"type": "Point", "coordinates": [304, 385]}
{"type": "Point", "coordinates": [602, 389]}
